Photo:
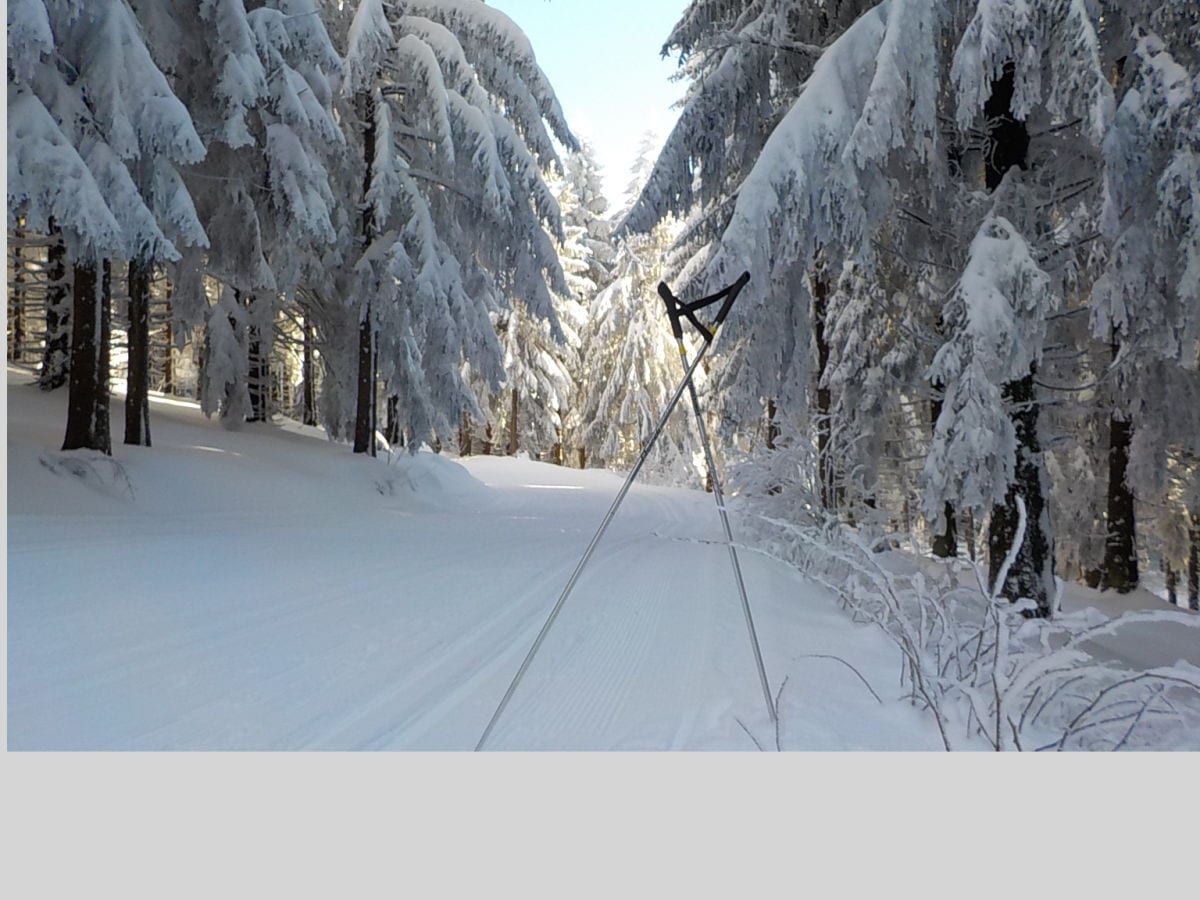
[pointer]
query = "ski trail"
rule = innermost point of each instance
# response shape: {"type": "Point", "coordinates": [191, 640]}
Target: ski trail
{"type": "Point", "coordinates": [452, 671]}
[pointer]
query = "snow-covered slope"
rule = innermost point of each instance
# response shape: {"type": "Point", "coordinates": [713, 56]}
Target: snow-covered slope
{"type": "Point", "coordinates": [263, 588]}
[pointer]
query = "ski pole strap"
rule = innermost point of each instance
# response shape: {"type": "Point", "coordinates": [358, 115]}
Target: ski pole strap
{"type": "Point", "coordinates": [677, 310]}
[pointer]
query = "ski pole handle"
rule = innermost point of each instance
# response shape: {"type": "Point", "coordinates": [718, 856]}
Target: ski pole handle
{"type": "Point", "coordinates": [677, 310]}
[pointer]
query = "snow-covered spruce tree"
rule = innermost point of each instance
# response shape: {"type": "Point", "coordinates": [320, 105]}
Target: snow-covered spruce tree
{"type": "Point", "coordinates": [589, 211]}
{"type": "Point", "coordinates": [746, 63]}
{"type": "Point", "coordinates": [895, 147]}
{"type": "Point", "coordinates": [1147, 301]}
{"type": "Point", "coordinates": [871, 362]}
{"type": "Point", "coordinates": [99, 134]}
{"type": "Point", "coordinates": [541, 369]}
{"type": "Point", "coordinates": [452, 114]}
{"type": "Point", "coordinates": [794, 225]}
{"type": "Point", "coordinates": [258, 85]}
{"type": "Point", "coordinates": [30, 42]}
{"type": "Point", "coordinates": [633, 365]}
{"type": "Point", "coordinates": [588, 241]}
{"type": "Point", "coordinates": [629, 365]}
{"type": "Point", "coordinates": [979, 451]}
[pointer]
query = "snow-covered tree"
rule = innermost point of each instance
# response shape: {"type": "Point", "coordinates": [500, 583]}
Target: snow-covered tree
{"type": "Point", "coordinates": [452, 117]}
{"type": "Point", "coordinates": [997, 319]}
{"type": "Point", "coordinates": [892, 133]}
{"type": "Point", "coordinates": [96, 139]}
{"type": "Point", "coordinates": [258, 83]}
{"type": "Point", "coordinates": [632, 365]}
{"type": "Point", "coordinates": [1146, 302]}
{"type": "Point", "coordinates": [542, 369]}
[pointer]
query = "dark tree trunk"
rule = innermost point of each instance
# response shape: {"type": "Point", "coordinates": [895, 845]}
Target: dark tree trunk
{"type": "Point", "coordinates": [16, 301]}
{"type": "Point", "coordinates": [945, 544]}
{"type": "Point", "coordinates": [137, 382]}
{"type": "Point", "coordinates": [1120, 546]}
{"type": "Point", "coordinates": [558, 448]}
{"type": "Point", "coordinates": [87, 402]}
{"type": "Point", "coordinates": [364, 419]}
{"type": "Point", "coordinates": [969, 533]}
{"type": "Point", "coordinates": [772, 428]}
{"type": "Point", "coordinates": [581, 455]}
{"type": "Point", "coordinates": [825, 468]}
{"type": "Point", "coordinates": [772, 436]}
{"type": "Point", "coordinates": [464, 436]}
{"type": "Point", "coordinates": [488, 441]}
{"type": "Point", "coordinates": [1172, 584]}
{"type": "Point", "coordinates": [1032, 572]}
{"type": "Point", "coordinates": [258, 373]}
{"type": "Point", "coordinates": [307, 368]}
{"type": "Point", "coordinates": [169, 356]}
{"type": "Point", "coordinates": [512, 426]}
{"type": "Point", "coordinates": [392, 432]}
{"type": "Point", "coordinates": [1194, 565]}
{"type": "Point", "coordinates": [57, 351]}
{"type": "Point", "coordinates": [202, 366]}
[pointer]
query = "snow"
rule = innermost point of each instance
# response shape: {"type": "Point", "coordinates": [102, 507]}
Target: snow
{"type": "Point", "coordinates": [262, 588]}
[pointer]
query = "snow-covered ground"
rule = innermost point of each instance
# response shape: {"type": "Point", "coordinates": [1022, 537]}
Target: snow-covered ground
{"type": "Point", "coordinates": [265, 589]}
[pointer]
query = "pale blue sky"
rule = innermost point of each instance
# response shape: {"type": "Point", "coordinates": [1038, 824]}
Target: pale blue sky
{"type": "Point", "coordinates": [602, 56]}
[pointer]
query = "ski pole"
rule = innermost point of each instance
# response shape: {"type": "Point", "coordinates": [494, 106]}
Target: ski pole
{"type": "Point", "coordinates": [587, 554]}
{"type": "Point", "coordinates": [676, 311]}
{"type": "Point", "coordinates": [719, 496]}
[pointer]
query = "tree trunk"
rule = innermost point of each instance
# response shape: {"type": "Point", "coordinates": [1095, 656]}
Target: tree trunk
{"type": "Point", "coordinates": [512, 426]}
{"type": "Point", "coordinates": [1120, 547]}
{"type": "Point", "coordinates": [1172, 584]}
{"type": "Point", "coordinates": [258, 373]}
{"type": "Point", "coordinates": [137, 381]}
{"type": "Point", "coordinates": [307, 368]}
{"type": "Point", "coordinates": [772, 428]}
{"type": "Point", "coordinates": [1194, 564]}
{"type": "Point", "coordinates": [969, 533]}
{"type": "Point", "coordinates": [945, 544]}
{"type": "Point", "coordinates": [364, 419]}
{"type": "Point", "coordinates": [772, 437]}
{"type": "Point", "coordinates": [87, 401]}
{"type": "Point", "coordinates": [464, 436]}
{"type": "Point", "coordinates": [392, 426]}
{"type": "Point", "coordinates": [16, 301]}
{"type": "Point", "coordinates": [56, 353]}
{"type": "Point", "coordinates": [202, 366]}
{"type": "Point", "coordinates": [488, 442]}
{"type": "Point", "coordinates": [169, 356]}
{"type": "Point", "coordinates": [558, 448]}
{"type": "Point", "coordinates": [1032, 572]}
{"type": "Point", "coordinates": [825, 468]}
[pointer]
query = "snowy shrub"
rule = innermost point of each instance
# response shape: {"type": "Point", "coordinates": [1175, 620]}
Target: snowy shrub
{"type": "Point", "coordinates": [982, 669]}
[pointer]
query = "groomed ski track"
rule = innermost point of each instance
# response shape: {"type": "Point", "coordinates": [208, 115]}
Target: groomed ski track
{"type": "Point", "coordinates": [262, 589]}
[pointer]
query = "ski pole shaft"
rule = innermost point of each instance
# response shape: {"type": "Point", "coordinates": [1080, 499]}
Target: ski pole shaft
{"type": "Point", "coordinates": [587, 554]}
{"type": "Point", "coordinates": [719, 496]}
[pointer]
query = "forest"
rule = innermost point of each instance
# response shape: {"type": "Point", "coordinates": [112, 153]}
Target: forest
{"type": "Point", "coordinates": [972, 229]}
{"type": "Point", "coordinates": [971, 331]}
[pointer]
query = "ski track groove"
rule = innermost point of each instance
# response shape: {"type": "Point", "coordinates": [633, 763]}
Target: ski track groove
{"type": "Point", "coordinates": [511, 628]}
